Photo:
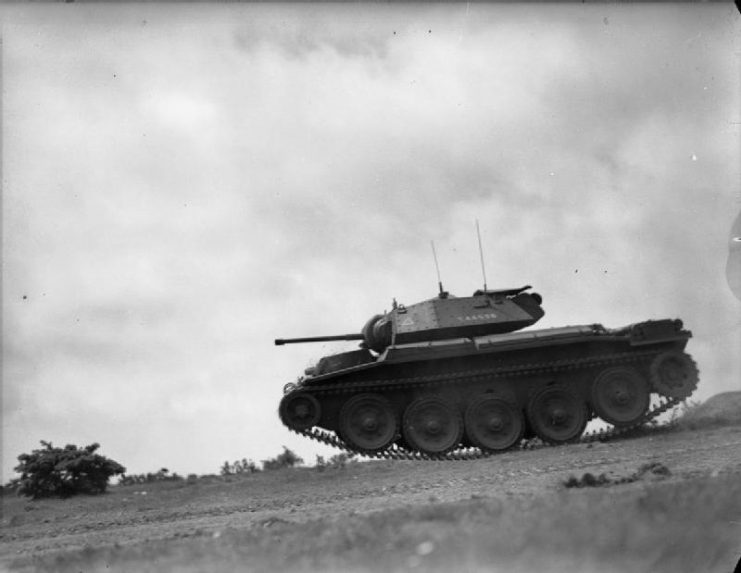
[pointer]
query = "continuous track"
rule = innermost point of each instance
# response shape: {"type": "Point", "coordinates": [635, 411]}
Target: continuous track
{"type": "Point", "coordinates": [395, 452]}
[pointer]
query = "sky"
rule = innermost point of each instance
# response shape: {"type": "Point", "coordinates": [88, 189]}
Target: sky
{"type": "Point", "coordinates": [182, 184]}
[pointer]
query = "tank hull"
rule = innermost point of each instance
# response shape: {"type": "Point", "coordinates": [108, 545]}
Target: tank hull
{"type": "Point", "coordinates": [491, 391]}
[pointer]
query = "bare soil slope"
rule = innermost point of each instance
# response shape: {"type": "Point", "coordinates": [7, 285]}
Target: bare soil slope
{"type": "Point", "coordinates": [668, 501]}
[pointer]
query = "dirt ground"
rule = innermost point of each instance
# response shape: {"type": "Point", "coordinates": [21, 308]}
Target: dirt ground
{"type": "Point", "coordinates": [294, 519]}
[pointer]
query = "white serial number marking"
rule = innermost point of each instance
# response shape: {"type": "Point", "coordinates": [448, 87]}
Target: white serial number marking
{"type": "Point", "coordinates": [485, 316]}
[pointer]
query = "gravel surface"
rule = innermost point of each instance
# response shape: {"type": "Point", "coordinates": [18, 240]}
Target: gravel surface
{"type": "Point", "coordinates": [129, 516]}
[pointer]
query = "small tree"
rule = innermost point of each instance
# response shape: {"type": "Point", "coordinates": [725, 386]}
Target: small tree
{"type": "Point", "coordinates": [286, 459]}
{"type": "Point", "coordinates": [62, 472]}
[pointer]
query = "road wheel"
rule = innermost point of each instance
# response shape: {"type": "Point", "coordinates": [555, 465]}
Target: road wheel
{"type": "Point", "coordinates": [299, 411]}
{"type": "Point", "coordinates": [620, 396]}
{"type": "Point", "coordinates": [493, 424]}
{"type": "Point", "coordinates": [557, 415]}
{"type": "Point", "coordinates": [368, 423]}
{"type": "Point", "coordinates": [674, 374]}
{"type": "Point", "coordinates": [432, 426]}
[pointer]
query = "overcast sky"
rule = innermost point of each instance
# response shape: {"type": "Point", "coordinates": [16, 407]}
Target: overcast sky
{"type": "Point", "coordinates": [184, 183]}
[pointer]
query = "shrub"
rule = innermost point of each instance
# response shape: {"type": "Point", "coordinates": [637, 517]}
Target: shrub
{"type": "Point", "coordinates": [336, 462]}
{"type": "Point", "coordinates": [11, 487]}
{"type": "Point", "coordinates": [162, 475]}
{"type": "Point", "coordinates": [244, 466]}
{"type": "Point", "coordinates": [286, 459]}
{"type": "Point", "coordinates": [62, 472]}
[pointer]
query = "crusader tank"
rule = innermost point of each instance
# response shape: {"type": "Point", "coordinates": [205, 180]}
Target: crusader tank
{"type": "Point", "coordinates": [443, 376]}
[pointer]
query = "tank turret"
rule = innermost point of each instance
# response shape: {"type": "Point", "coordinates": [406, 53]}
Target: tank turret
{"type": "Point", "coordinates": [445, 316]}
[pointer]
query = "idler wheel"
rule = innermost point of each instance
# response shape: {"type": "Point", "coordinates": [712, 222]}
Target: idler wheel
{"type": "Point", "coordinates": [432, 426]}
{"type": "Point", "coordinates": [620, 396]}
{"type": "Point", "coordinates": [299, 411]}
{"type": "Point", "coordinates": [674, 374]}
{"type": "Point", "coordinates": [557, 415]}
{"type": "Point", "coordinates": [493, 424]}
{"type": "Point", "coordinates": [368, 423]}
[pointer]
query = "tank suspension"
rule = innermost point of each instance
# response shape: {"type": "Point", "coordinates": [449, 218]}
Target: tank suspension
{"type": "Point", "coordinates": [395, 452]}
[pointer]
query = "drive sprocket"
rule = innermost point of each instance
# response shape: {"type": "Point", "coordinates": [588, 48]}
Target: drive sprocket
{"type": "Point", "coordinates": [674, 374]}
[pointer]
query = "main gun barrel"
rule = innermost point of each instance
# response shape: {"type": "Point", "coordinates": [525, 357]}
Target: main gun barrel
{"type": "Point", "coordinates": [281, 341]}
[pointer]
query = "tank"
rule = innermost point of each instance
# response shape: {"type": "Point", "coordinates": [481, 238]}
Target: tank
{"type": "Point", "coordinates": [435, 377]}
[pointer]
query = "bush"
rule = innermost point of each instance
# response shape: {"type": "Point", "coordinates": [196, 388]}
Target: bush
{"type": "Point", "coordinates": [336, 462]}
{"type": "Point", "coordinates": [57, 472]}
{"type": "Point", "coordinates": [239, 467]}
{"type": "Point", "coordinates": [11, 487]}
{"type": "Point", "coordinates": [287, 459]}
{"type": "Point", "coordinates": [162, 475]}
